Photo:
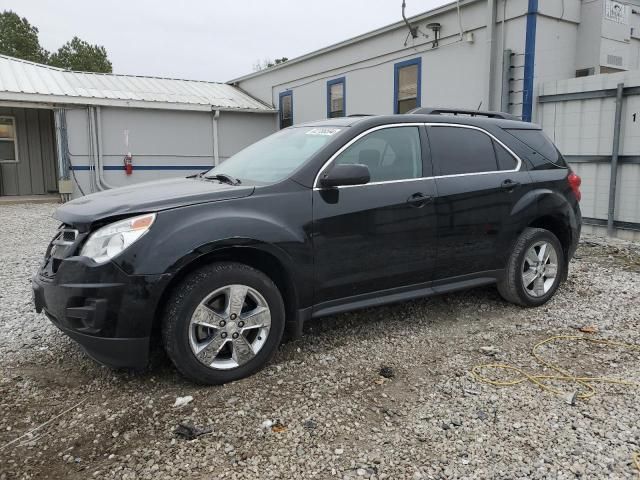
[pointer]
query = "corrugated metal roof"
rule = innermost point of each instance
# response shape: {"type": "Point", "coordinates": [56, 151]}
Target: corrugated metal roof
{"type": "Point", "coordinates": [25, 81]}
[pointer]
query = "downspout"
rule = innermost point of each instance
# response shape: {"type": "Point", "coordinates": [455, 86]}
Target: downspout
{"type": "Point", "coordinates": [63, 174]}
{"type": "Point", "coordinates": [529, 60]}
{"type": "Point", "coordinates": [101, 180]}
{"type": "Point", "coordinates": [216, 152]}
{"type": "Point", "coordinates": [491, 24]}
{"type": "Point", "coordinates": [92, 150]}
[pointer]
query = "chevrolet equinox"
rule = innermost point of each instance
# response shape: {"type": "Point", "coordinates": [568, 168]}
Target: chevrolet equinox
{"type": "Point", "coordinates": [316, 219]}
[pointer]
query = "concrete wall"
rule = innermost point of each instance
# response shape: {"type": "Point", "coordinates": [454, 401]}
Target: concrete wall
{"type": "Point", "coordinates": [583, 130]}
{"type": "Point", "coordinates": [35, 171]}
{"type": "Point", "coordinates": [163, 143]}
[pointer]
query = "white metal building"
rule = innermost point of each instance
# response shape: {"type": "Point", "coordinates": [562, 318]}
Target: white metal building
{"type": "Point", "coordinates": [58, 126]}
{"type": "Point", "coordinates": [518, 56]}
{"type": "Point", "coordinates": [388, 71]}
{"type": "Point", "coordinates": [489, 54]}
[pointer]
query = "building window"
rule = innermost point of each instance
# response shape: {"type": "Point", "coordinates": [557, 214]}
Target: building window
{"type": "Point", "coordinates": [286, 109]}
{"type": "Point", "coordinates": [407, 85]}
{"type": "Point", "coordinates": [8, 145]}
{"type": "Point", "coordinates": [336, 98]}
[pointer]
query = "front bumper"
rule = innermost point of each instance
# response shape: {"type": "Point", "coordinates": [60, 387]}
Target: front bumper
{"type": "Point", "coordinates": [109, 313]}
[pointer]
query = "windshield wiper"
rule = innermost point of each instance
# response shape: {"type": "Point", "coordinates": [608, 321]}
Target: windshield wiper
{"type": "Point", "coordinates": [197, 175]}
{"type": "Point", "coordinates": [223, 177]}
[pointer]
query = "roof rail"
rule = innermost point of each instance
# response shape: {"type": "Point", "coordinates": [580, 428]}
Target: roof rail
{"type": "Point", "coordinates": [361, 115]}
{"type": "Point", "coordinates": [458, 111]}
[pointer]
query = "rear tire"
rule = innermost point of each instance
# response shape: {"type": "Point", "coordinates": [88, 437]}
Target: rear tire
{"type": "Point", "coordinates": [534, 269]}
{"type": "Point", "coordinates": [222, 323]}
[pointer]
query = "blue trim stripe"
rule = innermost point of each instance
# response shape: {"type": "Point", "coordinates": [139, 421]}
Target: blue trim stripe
{"type": "Point", "coordinates": [529, 60]}
{"type": "Point", "coordinates": [200, 168]}
{"type": "Point", "coordinates": [337, 81]}
{"type": "Point", "coordinates": [396, 79]}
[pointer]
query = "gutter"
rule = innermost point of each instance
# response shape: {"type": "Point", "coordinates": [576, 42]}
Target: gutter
{"type": "Point", "coordinates": [18, 99]}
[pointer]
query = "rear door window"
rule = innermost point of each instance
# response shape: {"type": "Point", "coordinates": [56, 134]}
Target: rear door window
{"type": "Point", "coordinates": [459, 150]}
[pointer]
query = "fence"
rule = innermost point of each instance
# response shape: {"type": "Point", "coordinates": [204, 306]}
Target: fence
{"type": "Point", "coordinates": [595, 122]}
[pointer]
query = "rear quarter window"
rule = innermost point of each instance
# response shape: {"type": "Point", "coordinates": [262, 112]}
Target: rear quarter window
{"type": "Point", "coordinates": [545, 154]}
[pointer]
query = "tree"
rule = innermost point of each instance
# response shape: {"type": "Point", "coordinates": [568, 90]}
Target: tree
{"type": "Point", "coordinates": [268, 63]}
{"type": "Point", "coordinates": [80, 55]}
{"type": "Point", "coordinates": [18, 38]}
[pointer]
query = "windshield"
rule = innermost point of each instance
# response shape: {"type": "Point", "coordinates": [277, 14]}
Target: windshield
{"type": "Point", "coordinates": [274, 158]}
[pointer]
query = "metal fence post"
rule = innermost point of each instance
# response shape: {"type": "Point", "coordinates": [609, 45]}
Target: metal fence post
{"type": "Point", "coordinates": [614, 159]}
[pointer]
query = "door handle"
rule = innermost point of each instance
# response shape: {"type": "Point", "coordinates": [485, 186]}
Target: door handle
{"type": "Point", "coordinates": [509, 185]}
{"type": "Point", "coordinates": [419, 200]}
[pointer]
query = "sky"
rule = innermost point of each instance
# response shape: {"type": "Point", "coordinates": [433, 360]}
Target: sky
{"type": "Point", "coordinates": [213, 40]}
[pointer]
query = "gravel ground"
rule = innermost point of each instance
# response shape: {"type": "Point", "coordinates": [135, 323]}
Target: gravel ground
{"type": "Point", "coordinates": [321, 409]}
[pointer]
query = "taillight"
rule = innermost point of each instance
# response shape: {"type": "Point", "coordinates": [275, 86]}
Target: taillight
{"type": "Point", "coordinates": [574, 182]}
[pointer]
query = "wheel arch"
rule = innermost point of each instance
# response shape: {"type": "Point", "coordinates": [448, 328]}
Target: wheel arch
{"type": "Point", "coordinates": [257, 256]}
{"type": "Point", "coordinates": [556, 224]}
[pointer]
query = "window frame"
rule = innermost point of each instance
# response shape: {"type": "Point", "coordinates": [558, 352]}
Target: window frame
{"type": "Point", "coordinates": [330, 83]}
{"type": "Point", "coordinates": [286, 93]}
{"type": "Point", "coordinates": [329, 163]}
{"type": "Point", "coordinates": [396, 82]}
{"type": "Point", "coordinates": [14, 140]}
{"type": "Point", "coordinates": [420, 152]}
{"type": "Point", "coordinates": [497, 146]}
{"type": "Point", "coordinates": [426, 156]}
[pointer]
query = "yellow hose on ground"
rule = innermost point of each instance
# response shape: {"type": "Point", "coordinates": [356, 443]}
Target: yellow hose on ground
{"type": "Point", "coordinates": [586, 383]}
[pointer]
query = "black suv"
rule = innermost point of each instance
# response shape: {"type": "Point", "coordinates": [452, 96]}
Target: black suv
{"type": "Point", "coordinates": [317, 219]}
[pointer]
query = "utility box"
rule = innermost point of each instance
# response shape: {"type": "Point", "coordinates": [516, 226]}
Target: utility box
{"type": "Point", "coordinates": [606, 30]}
{"type": "Point", "coordinates": [65, 186]}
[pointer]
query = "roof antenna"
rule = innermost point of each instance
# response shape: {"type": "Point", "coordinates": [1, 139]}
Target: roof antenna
{"type": "Point", "coordinates": [412, 30]}
{"type": "Point", "coordinates": [479, 106]}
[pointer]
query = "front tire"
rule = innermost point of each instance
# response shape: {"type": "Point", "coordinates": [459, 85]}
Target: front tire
{"type": "Point", "coordinates": [534, 270]}
{"type": "Point", "coordinates": [222, 323]}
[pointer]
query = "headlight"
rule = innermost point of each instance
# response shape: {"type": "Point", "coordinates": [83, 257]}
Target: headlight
{"type": "Point", "coordinates": [109, 241]}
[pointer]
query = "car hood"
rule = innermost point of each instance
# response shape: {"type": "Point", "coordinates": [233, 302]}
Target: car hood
{"type": "Point", "coordinates": [147, 197]}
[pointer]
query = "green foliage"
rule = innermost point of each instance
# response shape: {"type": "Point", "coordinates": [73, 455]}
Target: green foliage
{"type": "Point", "coordinates": [18, 38]}
{"type": "Point", "coordinates": [80, 55]}
{"type": "Point", "coordinates": [268, 63]}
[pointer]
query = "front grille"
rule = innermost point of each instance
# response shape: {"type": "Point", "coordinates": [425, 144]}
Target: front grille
{"type": "Point", "coordinates": [66, 236]}
{"type": "Point", "coordinates": [63, 245]}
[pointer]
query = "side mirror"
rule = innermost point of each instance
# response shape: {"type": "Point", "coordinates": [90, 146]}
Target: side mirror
{"type": "Point", "coordinates": [349, 174]}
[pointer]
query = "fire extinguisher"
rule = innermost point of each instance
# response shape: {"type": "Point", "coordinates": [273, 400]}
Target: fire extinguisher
{"type": "Point", "coordinates": [128, 163]}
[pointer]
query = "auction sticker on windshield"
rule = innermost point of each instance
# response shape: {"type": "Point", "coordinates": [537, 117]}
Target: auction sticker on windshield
{"type": "Point", "coordinates": [323, 131]}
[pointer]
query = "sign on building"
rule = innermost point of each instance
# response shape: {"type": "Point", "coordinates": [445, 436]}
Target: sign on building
{"type": "Point", "coordinates": [616, 12]}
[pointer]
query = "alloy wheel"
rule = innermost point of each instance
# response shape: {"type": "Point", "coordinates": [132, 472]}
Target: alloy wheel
{"type": "Point", "coordinates": [539, 269]}
{"type": "Point", "coordinates": [229, 327]}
